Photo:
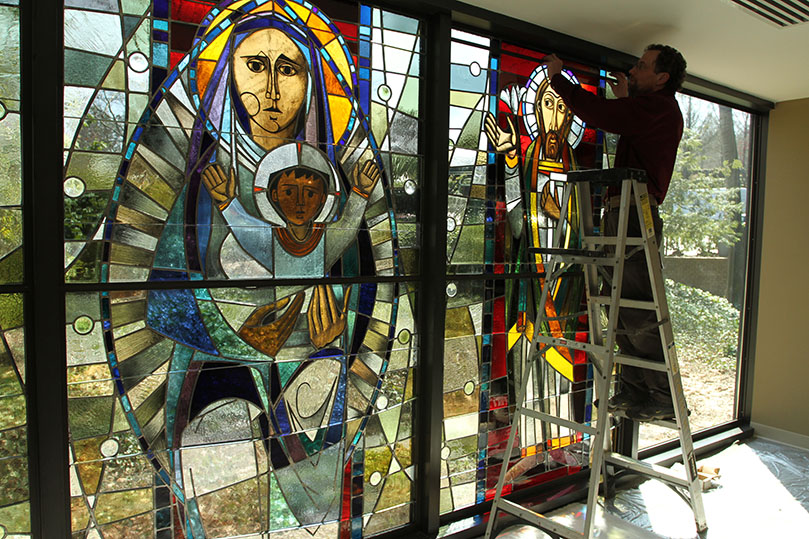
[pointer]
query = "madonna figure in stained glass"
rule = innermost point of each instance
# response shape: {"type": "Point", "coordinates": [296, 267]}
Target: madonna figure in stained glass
{"type": "Point", "coordinates": [279, 170]}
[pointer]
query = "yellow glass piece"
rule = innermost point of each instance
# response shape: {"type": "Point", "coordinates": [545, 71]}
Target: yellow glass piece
{"type": "Point", "coordinates": [214, 50]}
{"type": "Point", "coordinates": [560, 363]}
{"type": "Point", "coordinates": [338, 55]}
{"type": "Point", "coordinates": [118, 505]}
{"type": "Point", "coordinates": [514, 333]}
{"type": "Point", "coordinates": [341, 111]}
{"type": "Point", "coordinates": [325, 37]}
{"type": "Point", "coordinates": [227, 12]}
{"type": "Point", "coordinates": [302, 12]}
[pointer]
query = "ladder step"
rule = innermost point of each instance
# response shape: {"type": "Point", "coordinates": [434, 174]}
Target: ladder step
{"type": "Point", "coordinates": [594, 349]}
{"type": "Point", "coordinates": [666, 424]}
{"type": "Point", "coordinates": [535, 518]}
{"type": "Point", "coordinates": [566, 252]}
{"type": "Point", "coordinates": [611, 240]}
{"type": "Point", "coordinates": [651, 470]}
{"type": "Point", "coordinates": [623, 302]}
{"type": "Point", "coordinates": [643, 363]}
{"type": "Point", "coordinates": [572, 425]}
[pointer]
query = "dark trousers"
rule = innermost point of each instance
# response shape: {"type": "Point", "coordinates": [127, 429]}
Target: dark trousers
{"type": "Point", "coordinates": [637, 332]}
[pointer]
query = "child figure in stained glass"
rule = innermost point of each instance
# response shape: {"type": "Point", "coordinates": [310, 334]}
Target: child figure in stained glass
{"type": "Point", "coordinates": [296, 234]}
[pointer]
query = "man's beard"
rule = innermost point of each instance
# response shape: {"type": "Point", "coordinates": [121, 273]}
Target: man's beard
{"type": "Point", "coordinates": [552, 147]}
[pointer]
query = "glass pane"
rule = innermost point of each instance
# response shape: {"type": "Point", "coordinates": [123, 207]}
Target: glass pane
{"type": "Point", "coordinates": [11, 256]}
{"type": "Point", "coordinates": [242, 411]}
{"type": "Point", "coordinates": [183, 165]}
{"type": "Point", "coordinates": [512, 141]}
{"type": "Point", "coordinates": [705, 255]}
{"type": "Point", "coordinates": [14, 494]}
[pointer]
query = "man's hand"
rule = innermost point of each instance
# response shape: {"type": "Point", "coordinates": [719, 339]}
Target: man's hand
{"type": "Point", "coordinates": [221, 187]}
{"type": "Point", "coordinates": [621, 86]}
{"type": "Point", "coordinates": [554, 65]}
{"type": "Point", "coordinates": [503, 141]}
{"type": "Point", "coordinates": [365, 178]}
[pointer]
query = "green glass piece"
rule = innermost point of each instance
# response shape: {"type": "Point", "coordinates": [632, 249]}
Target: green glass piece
{"type": "Point", "coordinates": [11, 268]}
{"type": "Point", "coordinates": [390, 422]}
{"type": "Point", "coordinates": [227, 341]}
{"type": "Point", "coordinates": [286, 369]}
{"type": "Point", "coordinates": [130, 25]}
{"type": "Point", "coordinates": [85, 268]}
{"type": "Point", "coordinates": [141, 39]}
{"type": "Point", "coordinates": [10, 230]}
{"type": "Point", "coordinates": [179, 365]}
{"type": "Point", "coordinates": [10, 311]}
{"type": "Point", "coordinates": [470, 136]}
{"type": "Point", "coordinates": [84, 68]}
{"type": "Point", "coordinates": [13, 466]}
{"type": "Point", "coordinates": [135, 7]}
{"type": "Point", "coordinates": [379, 121]}
{"type": "Point", "coordinates": [281, 516]}
{"type": "Point", "coordinates": [96, 170]}
{"type": "Point", "coordinates": [16, 518]}
{"type": "Point", "coordinates": [12, 413]}
{"type": "Point", "coordinates": [83, 214]}
{"type": "Point", "coordinates": [82, 304]}
{"type": "Point", "coordinates": [9, 53]}
{"type": "Point", "coordinates": [10, 161]}
{"type": "Point", "coordinates": [409, 102]}
{"type": "Point", "coordinates": [117, 505]}
{"type": "Point", "coordinates": [170, 251]}
{"type": "Point", "coordinates": [89, 416]}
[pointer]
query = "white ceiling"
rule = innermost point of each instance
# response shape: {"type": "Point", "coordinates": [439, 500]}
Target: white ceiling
{"type": "Point", "coordinates": [721, 41]}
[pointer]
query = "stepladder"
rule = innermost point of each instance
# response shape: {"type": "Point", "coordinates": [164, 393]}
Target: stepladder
{"type": "Point", "coordinates": [600, 255]}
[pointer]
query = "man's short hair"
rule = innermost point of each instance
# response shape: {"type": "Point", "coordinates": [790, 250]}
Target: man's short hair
{"type": "Point", "coordinates": [669, 60]}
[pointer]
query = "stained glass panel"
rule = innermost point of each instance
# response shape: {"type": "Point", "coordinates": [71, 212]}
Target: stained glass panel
{"type": "Point", "coordinates": [512, 141]}
{"type": "Point", "coordinates": [181, 158]}
{"type": "Point", "coordinates": [225, 412]}
{"type": "Point", "coordinates": [14, 493]}
{"type": "Point", "coordinates": [11, 255]}
{"type": "Point", "coordinates": [267, 140]}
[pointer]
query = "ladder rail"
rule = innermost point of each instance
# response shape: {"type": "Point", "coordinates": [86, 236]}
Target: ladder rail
{"type": "Point", "coordinates": [596, 255]}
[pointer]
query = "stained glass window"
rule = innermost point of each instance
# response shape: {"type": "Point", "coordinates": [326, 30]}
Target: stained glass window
{"type": "Point", "coordinates": [269, 140]}
{"type": "Point", "coordinates": [14, 505]}
{"type": "Point", "coordinates": [512, 141]}
{"type": "Point", "coordinates": [14, 491]}
{"type": "Point", "coordinates": [11, 256]}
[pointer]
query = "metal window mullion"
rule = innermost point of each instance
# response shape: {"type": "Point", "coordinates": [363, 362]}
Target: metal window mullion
{"type": "Point", "coordinates": [46, 376]}
{"type": "Point", "coordinates": [432, 291]}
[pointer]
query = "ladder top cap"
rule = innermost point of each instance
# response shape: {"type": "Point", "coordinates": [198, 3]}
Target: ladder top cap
{"type": "Point", "coordinates": [607, 175]}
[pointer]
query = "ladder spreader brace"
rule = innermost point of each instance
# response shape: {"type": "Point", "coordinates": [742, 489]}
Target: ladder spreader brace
{"type": "Point", "coordinates": [600, 348]}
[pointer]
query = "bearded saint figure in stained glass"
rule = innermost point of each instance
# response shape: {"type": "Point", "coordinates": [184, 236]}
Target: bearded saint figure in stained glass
{"type": "Point", "coordinates": [534, 175]}
{"type": "Point", "coordinates": [279, 170]}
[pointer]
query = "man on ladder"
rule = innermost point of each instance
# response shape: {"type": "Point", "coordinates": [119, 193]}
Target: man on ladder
{"type": "Point", "coordinates": [648, 119]}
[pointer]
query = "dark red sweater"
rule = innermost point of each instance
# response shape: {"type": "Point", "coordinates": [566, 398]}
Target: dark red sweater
{"type": "Point", "coordinates": [650, 126]}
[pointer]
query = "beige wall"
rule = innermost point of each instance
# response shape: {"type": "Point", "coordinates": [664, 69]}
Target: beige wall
{"type": "Point", "coordinates": [781, 377]}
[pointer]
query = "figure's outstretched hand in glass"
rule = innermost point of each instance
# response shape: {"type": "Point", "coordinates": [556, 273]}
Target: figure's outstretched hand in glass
{"type": "Point", "coordinates": [326, 320]}
{"type": "Point", "coordinates": [221, 187]}
{"type": "Point", "coordinates": [503, 141]}
{"type": "Point", "coordinates": [365, 177]}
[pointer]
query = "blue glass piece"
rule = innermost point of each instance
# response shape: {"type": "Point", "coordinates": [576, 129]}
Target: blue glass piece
{"type": "Point", "coordinates": [202, 293]}
{"type": "Point", "coordinates": [161, 25]}
{"type": "Point", "coordinates": [462, 79]}
{"type": "Point", "coordinates": [160, 54]}
{"type": "Point", "coordinates": [400, 23]}
{"type": "Point", "coordinates": [174, 313]}
{"type": "Point", "coordinates": [282, 419]}
{"type": "Point", "coordinates": [170, 252]}
{"type": "Point", "coordinates": [365, 15]}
